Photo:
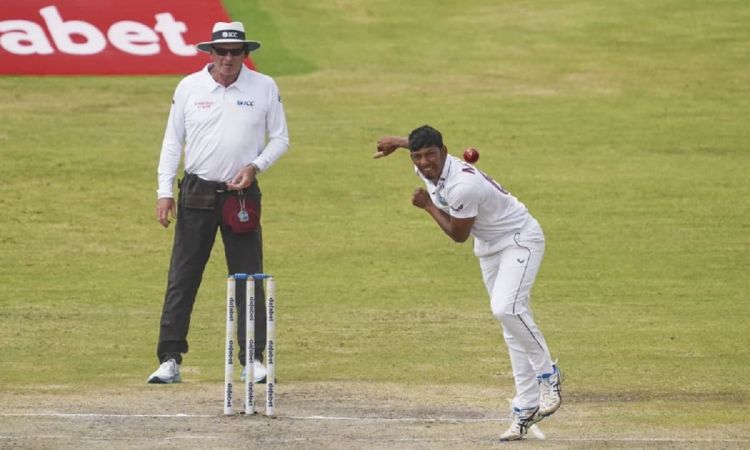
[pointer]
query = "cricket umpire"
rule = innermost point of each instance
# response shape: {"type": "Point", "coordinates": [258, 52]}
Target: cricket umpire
{"type": "Point", "coordinates": [230, 123]}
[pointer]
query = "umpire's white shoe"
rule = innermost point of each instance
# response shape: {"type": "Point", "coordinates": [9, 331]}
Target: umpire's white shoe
{"type": "Point", "coordinates": [167, 373]}
{"type": "Point", "coordinates": [260, 372]}
{"type": "Point", "coordinates": [550, 391]}
{"type": "Point", "coordinates": [520, 422]}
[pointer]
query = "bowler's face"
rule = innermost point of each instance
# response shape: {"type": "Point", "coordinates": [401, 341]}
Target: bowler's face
{"type": "Point", "coordinates": [430, 161]}
{"type": "Point", "coordinates": [228, 65]}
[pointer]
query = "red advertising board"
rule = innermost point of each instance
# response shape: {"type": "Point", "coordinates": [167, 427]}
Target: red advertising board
{"type": "Point", "coordinates": [112, 37]}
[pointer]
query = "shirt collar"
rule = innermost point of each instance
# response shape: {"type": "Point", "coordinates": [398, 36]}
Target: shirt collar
{"type": "Point", "coordinates": [443, 175]}
{"type": "Point", "coordinates": [241, 83]}
{"type": "Point", "coordinates": [446, 171]}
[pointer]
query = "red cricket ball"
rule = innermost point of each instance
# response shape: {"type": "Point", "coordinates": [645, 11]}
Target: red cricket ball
{"type": "Point", "coordinates": [471, 155]}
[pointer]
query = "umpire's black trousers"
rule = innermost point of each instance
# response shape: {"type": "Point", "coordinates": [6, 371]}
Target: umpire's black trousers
{"type": "Point", "coordinates": [195, 233]}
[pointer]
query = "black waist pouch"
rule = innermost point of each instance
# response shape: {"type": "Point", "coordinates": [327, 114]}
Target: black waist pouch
{"type": "Point", "coordinates": [197, 193]}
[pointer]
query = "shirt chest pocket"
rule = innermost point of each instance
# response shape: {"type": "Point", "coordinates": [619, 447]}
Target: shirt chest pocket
{"type": "Point", "coordinates": [248, 111]}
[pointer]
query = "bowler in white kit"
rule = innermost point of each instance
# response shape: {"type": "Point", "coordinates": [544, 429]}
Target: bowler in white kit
{"type": "Point", "coordinates": [509, 244]}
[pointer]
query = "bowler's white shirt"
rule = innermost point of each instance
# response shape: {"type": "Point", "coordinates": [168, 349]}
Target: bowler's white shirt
{"type": "Point", "coordinates": [463, 191]}
{"type": "Point", "coordinates": [222, 129]}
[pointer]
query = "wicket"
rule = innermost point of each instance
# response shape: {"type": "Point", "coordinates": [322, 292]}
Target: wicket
{"type": "Point", "coordinates": [250, 280]}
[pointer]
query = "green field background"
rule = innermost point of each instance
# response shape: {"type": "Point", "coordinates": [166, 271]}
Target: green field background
{"type": "Point", "coordinates": [623, 126]}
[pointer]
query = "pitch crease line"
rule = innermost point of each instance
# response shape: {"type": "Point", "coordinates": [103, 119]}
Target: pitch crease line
{"type": "Point", "coordinates": [73, 415]}
{"type": "Point", "coordinates": [685, 440]}
{"type": "Point", "coordinates": [330, 418]}
{"type": "Point", "coordinates": [396, 419]}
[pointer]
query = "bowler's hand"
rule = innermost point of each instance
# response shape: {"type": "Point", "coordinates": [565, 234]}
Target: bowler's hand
{"type": "Point", "coordinates": [389, 144]}
{"type": "Point", "coordinates": [421, 199]}
{"type": "Point", "coordinates": [243, 179]}
{"type": "Point", "coordinates": [164, 207]}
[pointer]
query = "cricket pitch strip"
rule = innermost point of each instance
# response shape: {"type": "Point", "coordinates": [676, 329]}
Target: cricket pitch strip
{"type": "Point", "coordinates": [321, 415]}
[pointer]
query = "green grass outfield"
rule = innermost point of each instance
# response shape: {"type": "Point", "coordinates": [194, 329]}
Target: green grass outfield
{"type": "Point", "coordinates": [623, 126]}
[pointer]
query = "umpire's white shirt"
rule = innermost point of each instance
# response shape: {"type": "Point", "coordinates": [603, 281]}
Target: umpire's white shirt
{"type": "Point", "coordinates": [222, 129]}
{"type": "Point", "coordinates": [464, 191]}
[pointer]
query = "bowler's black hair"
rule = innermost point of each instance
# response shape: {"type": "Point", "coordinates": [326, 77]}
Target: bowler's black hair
{"type": "Point", "coordinates": [425, 136]}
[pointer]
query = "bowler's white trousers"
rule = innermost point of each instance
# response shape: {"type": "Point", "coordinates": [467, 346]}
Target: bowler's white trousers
{"type": "Point", "coordinates": [509, 272]}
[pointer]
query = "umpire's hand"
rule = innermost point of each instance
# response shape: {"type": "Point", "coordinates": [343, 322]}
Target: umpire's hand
{"type": "Point", "coordinates": [164, 208]}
